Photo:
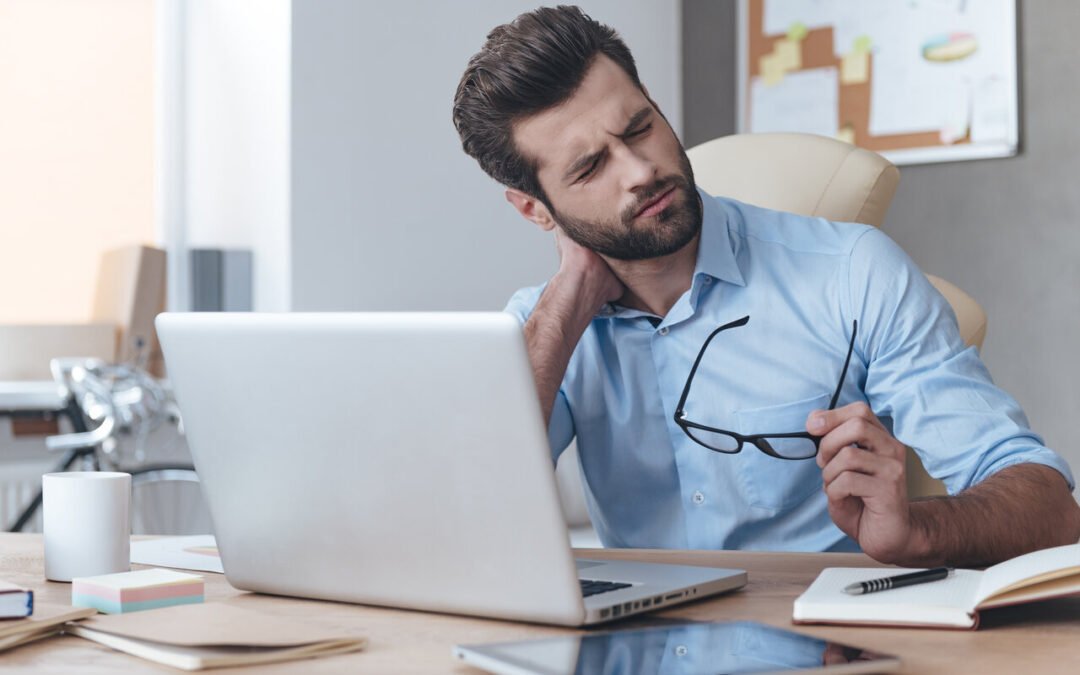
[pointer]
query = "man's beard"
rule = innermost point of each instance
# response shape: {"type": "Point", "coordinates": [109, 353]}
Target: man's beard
{"type": "Point", "coordinates": [623, 239]}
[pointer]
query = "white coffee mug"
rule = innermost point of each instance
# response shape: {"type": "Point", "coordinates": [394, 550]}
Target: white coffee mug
{"type": "Point", "coordinates": [87, 523]}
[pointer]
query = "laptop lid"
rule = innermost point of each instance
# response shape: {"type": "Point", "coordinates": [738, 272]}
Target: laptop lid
{"type": "Point", "coordinates": [386, 458]}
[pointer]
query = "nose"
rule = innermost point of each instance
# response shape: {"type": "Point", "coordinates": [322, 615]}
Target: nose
{"type": "Point", "coordinates": [639, 171]}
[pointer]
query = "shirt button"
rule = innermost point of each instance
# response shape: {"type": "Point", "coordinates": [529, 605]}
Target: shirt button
{"type": "Point", "coordinates": [707, 279]}
{"type": "Point", "coordinates": [663, 331]}
{"type": "Point", "coordinates": [681, 651]}
{"type": "Point", "coordinates": [698, 498]}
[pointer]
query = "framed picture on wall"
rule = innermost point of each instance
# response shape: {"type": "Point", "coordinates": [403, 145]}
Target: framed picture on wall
{"type": "Point", "coordinates": [917, 81]}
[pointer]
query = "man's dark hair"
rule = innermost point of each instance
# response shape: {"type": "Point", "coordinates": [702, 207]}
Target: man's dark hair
{"type": "Point", "coordinates": [535, 62]}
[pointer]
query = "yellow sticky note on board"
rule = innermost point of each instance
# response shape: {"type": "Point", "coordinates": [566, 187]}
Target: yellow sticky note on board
{"type": "Point", "coordinates": [789, 54]}
{"type": "Point", "coordinates": [855, 67]}
{"type": "Point", "coordinates": [771, 69]}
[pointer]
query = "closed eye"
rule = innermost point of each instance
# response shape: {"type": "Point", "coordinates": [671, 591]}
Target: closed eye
{"type": "Point", "coordinates": [589, 171]}
{"type": "Point", "coordinates": [584, 175]}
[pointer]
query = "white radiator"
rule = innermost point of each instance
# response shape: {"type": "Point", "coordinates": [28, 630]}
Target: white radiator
{"type": "Point", "coordinates": [19, 482]}
{"type": "Point", "coordinates": [167, 508]}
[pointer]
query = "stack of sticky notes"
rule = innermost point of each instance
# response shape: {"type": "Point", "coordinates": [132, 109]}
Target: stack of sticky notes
{"type": "Point", "coordinates": [135, 591]}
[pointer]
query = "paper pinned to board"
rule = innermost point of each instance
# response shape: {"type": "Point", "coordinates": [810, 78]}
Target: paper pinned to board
{"type": "Point", "coordinates": [198, 552]}
{"type": "Point", "coordinates": [789, 54]}
{"type": "Point", "coordinates": [805, 101]}
{"type": "Point", "coordinates": [846, 134]}
{"type": "Point", "coordinates": [772, 70]}
{"type": "Point", "coordinates": [783, 16]}
{"type": "Point", "coordinates": [855, 67]}
{"type": "Point", "coordinates": [992, 116]}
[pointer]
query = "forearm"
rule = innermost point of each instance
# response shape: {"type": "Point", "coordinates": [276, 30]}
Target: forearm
{"type": "Point", "coordinates": [553, 331]}
{"type": "Point", "coordinates": [1017, 510]}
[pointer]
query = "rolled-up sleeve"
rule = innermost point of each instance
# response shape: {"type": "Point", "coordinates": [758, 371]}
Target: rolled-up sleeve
{"type": "Point", "coordinates": [561, 426]}
{"type": "Point", "coordinates": [938, 393]}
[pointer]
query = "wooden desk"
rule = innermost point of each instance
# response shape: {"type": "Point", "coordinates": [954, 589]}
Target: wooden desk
{"type": "Point", "coordinates": [1041, 638]}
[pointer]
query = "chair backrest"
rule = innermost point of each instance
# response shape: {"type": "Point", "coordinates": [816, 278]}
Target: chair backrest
{"type": "Point", "coordinates": [799, 173]}
{"type": "Point", "coordinates": [816, 176]}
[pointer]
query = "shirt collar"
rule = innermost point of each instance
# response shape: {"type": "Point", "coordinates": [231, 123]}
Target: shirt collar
{"type": "Point", "coordinates": [715, 256]}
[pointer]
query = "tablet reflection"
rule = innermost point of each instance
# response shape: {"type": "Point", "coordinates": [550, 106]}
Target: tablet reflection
{"type": "Point", "coordinates": [700, 649]}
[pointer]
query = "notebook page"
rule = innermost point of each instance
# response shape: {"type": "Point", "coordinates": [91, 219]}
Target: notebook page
{"type": "Point", "coordinates": [1011, 573]}
{"type": "Point", "coordinates": [947, 601]}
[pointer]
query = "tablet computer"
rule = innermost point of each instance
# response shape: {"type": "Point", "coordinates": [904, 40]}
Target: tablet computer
{"type": "Point", "coordinates": [684, 648]}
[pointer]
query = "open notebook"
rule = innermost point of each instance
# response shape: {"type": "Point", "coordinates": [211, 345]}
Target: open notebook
{"type": "Point", "coordinates": [953, 602]}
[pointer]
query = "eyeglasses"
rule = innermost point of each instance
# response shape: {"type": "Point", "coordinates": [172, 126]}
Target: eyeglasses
{"type": "Point", "coordinates": [792, 445]}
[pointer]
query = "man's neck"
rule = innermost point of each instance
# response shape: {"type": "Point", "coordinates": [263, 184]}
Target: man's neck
{"type": "Point", "coordinates": [655, 285]}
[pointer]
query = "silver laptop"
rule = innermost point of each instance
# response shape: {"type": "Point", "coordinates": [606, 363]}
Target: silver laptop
{"type": "Point", "coordinates": [394, 459]}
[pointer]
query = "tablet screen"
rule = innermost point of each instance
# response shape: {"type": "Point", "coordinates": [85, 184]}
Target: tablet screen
{"type": "Point", "coordinates": [686, 649]}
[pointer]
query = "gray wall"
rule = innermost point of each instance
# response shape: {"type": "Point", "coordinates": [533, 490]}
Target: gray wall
{"type": "Point", "coordinates": [387, 211]}
{"type": "Point", "coordinates": [1004, 230]}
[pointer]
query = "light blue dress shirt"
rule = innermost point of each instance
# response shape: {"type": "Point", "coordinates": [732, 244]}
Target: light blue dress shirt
{"type": "Point", "coordinates": [802, 281]}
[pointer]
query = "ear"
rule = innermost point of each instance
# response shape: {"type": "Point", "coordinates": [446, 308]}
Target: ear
{"type": "Point", "coordinates": [531, 208]}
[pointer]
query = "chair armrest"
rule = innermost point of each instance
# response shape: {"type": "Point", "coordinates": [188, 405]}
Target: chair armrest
{"type": "Point", "coordinates": [969, 314]}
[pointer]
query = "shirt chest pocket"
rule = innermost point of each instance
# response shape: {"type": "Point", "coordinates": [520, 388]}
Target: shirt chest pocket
{"type": "Point", "coordinates": [768, 482]}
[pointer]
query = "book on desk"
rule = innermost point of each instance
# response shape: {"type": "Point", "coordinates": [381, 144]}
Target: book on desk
{"type": "Point", "coordinates": [953, 602]}
{"type": "Point", "coordinates": [15, 601]}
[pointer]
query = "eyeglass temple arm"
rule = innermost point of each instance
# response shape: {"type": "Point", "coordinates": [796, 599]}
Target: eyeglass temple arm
{"type": "Point", "coordinates": [693, 370]}
{"type": "Point", "coordinates": [843, 373]}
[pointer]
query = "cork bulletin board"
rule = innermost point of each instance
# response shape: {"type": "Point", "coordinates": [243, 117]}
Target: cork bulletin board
{"type": "Point", "coordinates": [915, 80]}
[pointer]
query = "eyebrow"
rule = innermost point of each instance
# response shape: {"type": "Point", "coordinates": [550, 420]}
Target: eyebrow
{"type": "Point", "coordinates": [583, 163]}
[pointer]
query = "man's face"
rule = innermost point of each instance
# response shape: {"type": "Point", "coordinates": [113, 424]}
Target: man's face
{"type": "Point", "coordinates": [616, 177]}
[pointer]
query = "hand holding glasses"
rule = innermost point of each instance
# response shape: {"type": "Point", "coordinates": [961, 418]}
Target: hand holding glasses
{"type": "Point", "coordinates": [790, 445]}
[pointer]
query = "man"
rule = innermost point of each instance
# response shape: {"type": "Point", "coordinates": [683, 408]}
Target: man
{"type": "Point", "coordinates": [552, 108]}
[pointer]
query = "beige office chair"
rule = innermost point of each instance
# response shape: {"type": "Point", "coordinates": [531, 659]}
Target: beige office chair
{"type": "Point", "coordinates": [819, 176]}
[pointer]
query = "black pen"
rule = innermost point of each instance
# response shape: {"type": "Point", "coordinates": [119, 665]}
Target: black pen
{"type": "Point", "coordinates": [899, 581]}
